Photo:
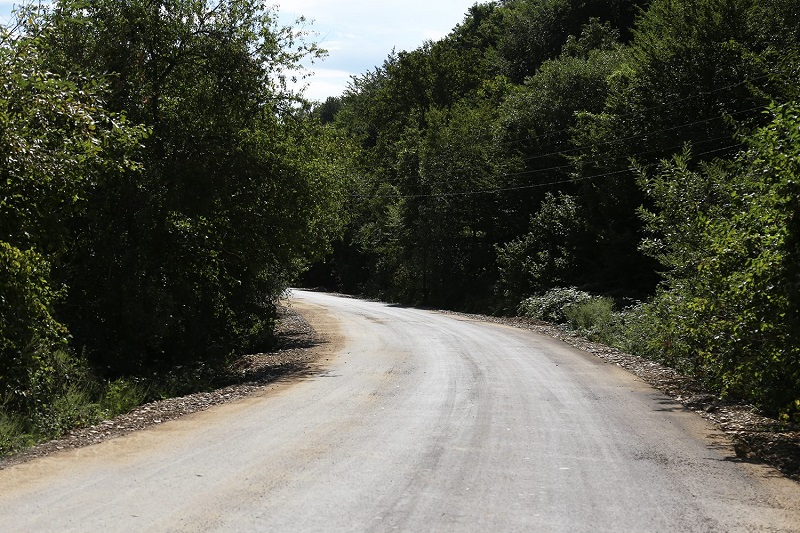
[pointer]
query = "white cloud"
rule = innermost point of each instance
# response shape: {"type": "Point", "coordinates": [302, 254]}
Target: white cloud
{"type": "Point", "coordinates": [360, 34]}
{"type": "Point", "coordinates": [321, 87]}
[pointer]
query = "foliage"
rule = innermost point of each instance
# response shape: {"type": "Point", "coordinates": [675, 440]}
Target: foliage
{"type": "Point", "coordinates": [591, 316]}
{"type": "Point", "coordinates": [728, 237]}
{"type": "Point", "coordinates": [120, 396]}
{"type": "Point", "coordinates": [57, 135]}
{"type": "Point", "coordinates": [58, 396]}
{"type": "Point", "coordinates": [448, 171]}
{"type": "Point", "coordinates": [161, 186]}
{"type": "Point", "coordinates": [536, 30]}
{"type": "Point", "coordinates": [28, 331]}
{"type": "Point", "coordinates": [694, 72]}
{"type": "Point", "coordinates": [13, 435]}
{"type": "Point", "coordinates": [547, 254]}
{"type": "Point", "coordinates": [594, 319]}
{"type": "Point", "coordinates": [238, 189]}
{"type": "Point", "coordinates": [56, 140]}
{"type": "Point", "coordinates": [550, 305]}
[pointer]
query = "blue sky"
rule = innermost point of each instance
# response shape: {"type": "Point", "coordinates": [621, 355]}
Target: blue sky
{"type": "Point", "coordinates": [359, 34]}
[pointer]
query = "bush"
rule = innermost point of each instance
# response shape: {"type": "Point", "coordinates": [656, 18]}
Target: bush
{"type": "Point", "coordinates": [594, 318]}
{"type": "Point", "coordinates": [13, 435]}
{"type": "Point", "coordinates": [547, 254]}
{"type": "Point", "coordinates": [72, 407]}
{"type": "Point", "coordinates": [729, 239]}
{"type": "Point", "coordinates": [121, 396]}
{"type": "Point", "coordinates": [550, 306]}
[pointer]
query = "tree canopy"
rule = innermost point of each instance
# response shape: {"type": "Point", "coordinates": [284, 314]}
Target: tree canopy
{"type": "Point", "coordinates": [505, 160]}
{"type": "Point", "coordinates": [162, 185]}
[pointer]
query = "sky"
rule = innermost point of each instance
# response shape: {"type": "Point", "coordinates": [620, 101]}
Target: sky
{"type": "Point", "coordinates": [359, 34]}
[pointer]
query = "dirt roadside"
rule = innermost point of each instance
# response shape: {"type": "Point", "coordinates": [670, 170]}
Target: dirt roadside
{"type": "Point", "coordinates": [308, 336]}
{"type": "Point", "coordinates": [301, 348]}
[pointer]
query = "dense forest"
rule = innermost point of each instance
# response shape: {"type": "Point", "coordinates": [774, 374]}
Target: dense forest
{"type": "Point", "coordinates": [627, 167]}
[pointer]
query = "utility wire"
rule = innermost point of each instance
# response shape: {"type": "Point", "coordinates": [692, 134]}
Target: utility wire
{"type": "Point", "coordinates": [605, 143]}
{"type": "Point", "coordinates": [529, 186]}
{"type": "Point", "coordinates": [570, 166]}
{"type": "Point", "coordinates": [569, 151]}
{"type": "Point", "coordinates": [646, 109]}
{"type": "Point", "coordinates": [639, 135]}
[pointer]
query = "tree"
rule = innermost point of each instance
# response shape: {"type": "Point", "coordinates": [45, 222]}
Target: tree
{"type": "Point", "coordinates": [729, 240]}
{"type": "Point", "coordinates": [57, 139]}
{"type": "Point", "coordinates": [450, 205]}
{"type": "Point", "coordinates": [692, 73]}
{"type": "Point", "coordinates": [549, 254]}
{"type": "Point", "coordinates": [184, 261]}
{"type": "Point", "coordinates": [536, 30]}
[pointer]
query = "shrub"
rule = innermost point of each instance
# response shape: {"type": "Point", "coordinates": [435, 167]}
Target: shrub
{"type": "Point", "coordinates": [594, 318]}
{"type": "Point", "coordinates": [550, 305]}
{"type": "Point", "coordinates": [591, 316]}
{"type": "Point", "coordinates": [728, 237]}
{"type": "Point", "coordinates": [29, 335]}
{"type": "Point", "coordinates": [121, 396]}
{"type": "Point", "coordinates": [13, 435]}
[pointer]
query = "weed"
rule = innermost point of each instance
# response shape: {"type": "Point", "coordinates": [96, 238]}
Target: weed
{"type": "Point", "coordinates": [122, 395]}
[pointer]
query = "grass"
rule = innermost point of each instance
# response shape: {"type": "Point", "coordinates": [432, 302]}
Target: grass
{"type": "Point", "coordinates": [82, 400]}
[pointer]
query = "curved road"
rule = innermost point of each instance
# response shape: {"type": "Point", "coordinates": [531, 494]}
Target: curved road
{"type": "Point", "coordinates": [418, 421]}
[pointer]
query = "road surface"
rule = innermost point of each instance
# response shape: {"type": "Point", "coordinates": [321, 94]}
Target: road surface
{"type": "Point", "coordinates": [417, 421]}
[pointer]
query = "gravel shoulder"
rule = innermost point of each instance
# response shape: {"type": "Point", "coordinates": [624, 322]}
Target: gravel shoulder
{"type": "Point", "coordinates": [302, 348]}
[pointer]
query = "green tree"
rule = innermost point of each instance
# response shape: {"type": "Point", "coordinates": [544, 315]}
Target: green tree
{"type": "Point", "coordinates": [184, 261]}
{"type": "Point", "coordinates": [534, 31]}
{"type": "Point", "coordinates": [694, 72]}
{"type": "Point", "coordinates": [729, 239]}
{"type": "Point", "coordinates": [451, 204]}
{"type": "Point", "coordinates": [549, 254]}
{"type": "Point", "coordinates": [445, 133]}
{"type": "Point", "coordinates": [57, 139]}
{"type": "Point", "coordinates": [538, 119]}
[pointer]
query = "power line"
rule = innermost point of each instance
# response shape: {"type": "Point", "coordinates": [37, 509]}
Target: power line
{"type": "Point", "coordinates": [653, 108]}
{"type": "Point", "coordinates": [529, 186]}
{"type": "Point", "coordinates": [639, 135]}
{"type": "Point", "coordinates": [579, 148]}
{"type": "Point", "coordinates": [569, 151]}
{"type": "Point", "coordinates": [570, 166]}
{"type": "Point", "coordinates": [493, 191]}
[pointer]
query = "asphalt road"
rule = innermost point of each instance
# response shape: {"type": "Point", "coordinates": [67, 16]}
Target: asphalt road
{"type": "Point", "coordinates": [418, 421]}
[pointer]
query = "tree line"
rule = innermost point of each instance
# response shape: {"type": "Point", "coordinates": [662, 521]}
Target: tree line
{"type": "Point", "coordinates": [161, 185]}
{"type": "Point", "coordinates": [627, 166]}
{"type": "Point", "coordinates": [640, 152]}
